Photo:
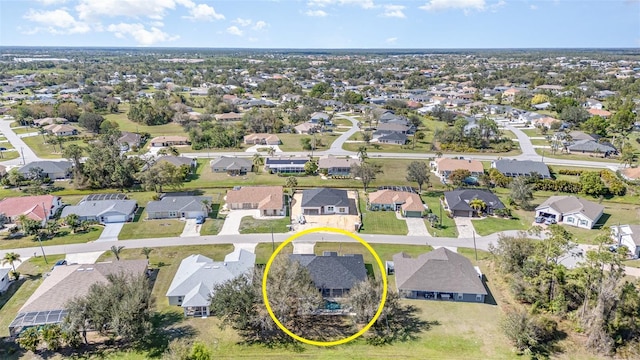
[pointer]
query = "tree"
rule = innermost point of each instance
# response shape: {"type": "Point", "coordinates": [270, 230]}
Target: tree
{"type": "Point", "coordinates": [29, 339]}
{"type": "Point", "coordinates": [574, 114]}
{"type": "Point", "coordinates": [68, 110]}
{"type": "Point", "coordinates": [458, 176]}
{"type": "Point", "coordinates": [146, 252]}
{"type": "Point", "coordinates": [116, 251]}
{"type": "Point", "coordinates": [418, 172]}
{"type": "Point", "coordinates": [291, 182]}
{"type": "Point", "coordinates": [592, 184]}
{"type": "Point", "coordinates": [257, 161]}
{"type": "Point", "coordinates": [91, 121]}
{"type": "Point", "coordinates": [199, 351]}
{"type": "Point", "coordinates": [478, 205]}
{"type": "Point", "coordinates": [310, 167]}
{"type": "Point", "coordinates": [352, 97]}
{"type": "Point", "coordinates": [52, 336]}
{"type": "Point", "coordinates": [362, 153]}
{"type": "Point", "coordinates": [595, 125]}
{"type": "Point", "coordinates": [529, 334]}
{"type": "Point", "coordinates": [366, 137]}
{"type": "Point", "coordinates": [366, 172]}
{"type": "Point", "coordinates": [627, 155]}
{"type": "Point", "coordinates": [73, 221]}
{"type": "Point", "coordinates": [73, 153]}
{"type": "Point", "coordinates": [11, 258]}
{"type": "Point", "coordinates": [521, 191]}
{"type": "Point", "coordinates": [29, 226]}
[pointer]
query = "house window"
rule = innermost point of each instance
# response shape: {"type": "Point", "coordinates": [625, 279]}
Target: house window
{"type": "Point", "coordinates": [478, 297]}
{"type": "Point", "coordinates": [583, 222]}
{"type": "Point", "coordinates": [570, 219]}
{"type": "Point", "coordinates": [330, 208]}
{"type": "Point", "coordinates": [173, 214]}
{"type": "Point", "coordinates": [342, 210]}
{"type": "Point", "coordinates": [460, 296]}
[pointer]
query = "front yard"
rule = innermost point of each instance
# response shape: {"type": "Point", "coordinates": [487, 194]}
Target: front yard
{"type": "Point", "coordinates": [63, 237]}
{"type": "Point", "coordinates": [380, 222]}
{"type": "Point", "coordinates": [447, 227]}
{"type": "Point", "coordinates": [491, 224]}
{"type": "Point", "coordinates": [249, 225]}
{"type": "Point", "coordinates": [144, 229]}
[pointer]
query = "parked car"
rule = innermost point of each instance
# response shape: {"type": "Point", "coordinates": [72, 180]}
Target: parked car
{"type": "Point", "coordinates": [3, 148]}
{"type": "Point", "coordinates": [540, 219]}
{"type": "Point", "coordinates": [200, 220]}
{"type": "Point", "coordinates": [550, 221]}
{"type": "Point", "coordinates": [59, 263]}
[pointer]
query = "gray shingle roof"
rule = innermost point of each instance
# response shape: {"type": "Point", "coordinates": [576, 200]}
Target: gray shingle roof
{"type": "Point", "coordinates": [198, 275]}
{"type": "Point", "coordinates": [440, 270]}
{"type": "Point", "coordinates": [572, 204]}
{"type": "Point", "coordinates": [47, 166]}
{"type": "Point", "coordinates": [178, 203]}
{"type": "Point", "coordinates": [511, 167]}
{"type": "Point", "coordinates": [100, 208]}
{"type": "Point", "coordinates": [591, 146]}
{"type": "Point", "coordinates": [331, 271]}
{"type": "Point", "coordinates": [324, 196]}
{"type": "Point", "coordinates": [226, 162]}
{"type": "Point", "coordinates": [459, 199]}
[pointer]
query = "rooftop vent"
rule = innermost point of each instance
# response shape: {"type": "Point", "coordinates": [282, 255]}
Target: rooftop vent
{"type": "Point", "coordinates": [329, 253]}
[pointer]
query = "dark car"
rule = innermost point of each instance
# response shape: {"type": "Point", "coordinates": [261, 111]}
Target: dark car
{"type": "Point", "coordinates": [3, 148]}
{"type": "Point", "coordinates": [59, 263]}
{"type": "Point", "coordinates": [200, 220]}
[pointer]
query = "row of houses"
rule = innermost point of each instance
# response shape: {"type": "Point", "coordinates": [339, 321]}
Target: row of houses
{"type": "Point", "coordinates": [330, 165]}
{"type": "Point", "coordinates": [443, 167]}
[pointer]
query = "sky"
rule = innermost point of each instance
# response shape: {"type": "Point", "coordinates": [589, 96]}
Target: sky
{"type": "Point", "coordinates": [423, 24]}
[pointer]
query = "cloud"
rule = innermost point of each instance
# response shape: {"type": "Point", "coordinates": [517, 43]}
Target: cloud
{"type": "Point", "coordinates": [316, 13]}
{"type": "Point", "coordinates": [203, 12]}
{"type": "Point", "coordinates": [57, 22]}
{"type": "Point", "coordinates": [52, 2]}
{"type": "Point", "coordinates": [365, 4]}
{"type": "Point", "coordinates": [496, 6]}
{"type": "Point", "coordinates": [533, 7]}
{"type": "Point", "coordinates": [435, 5]}
{"type": "Point", "coordinates": [393, 11]}
{"type": "Point", "coordinates": [243, 22]}
{"type": "Point", "coordinates": [391, 40]}
{"type": "Point", "coordinates": [140, 34]}
{"type": "Point", "coordinates": [260, 25]}
{"type": "Point", "coordinates": [234, 30]}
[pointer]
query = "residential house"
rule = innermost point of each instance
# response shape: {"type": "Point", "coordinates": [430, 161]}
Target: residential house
{"type": "Point", "coordinates": [629, 236]}
{"type": "Point", "coordinates": [571, 210]}
{"type": "Point", "coordinates": [175, 140]}
{"type": "Point", "coordinates": [5, 280]}
{"type": "Point", "coordinates": [276, 165]}
{"type": "Point", "coordinates": [326, 201]}
{"type": "Point", "coordinates": [47, 305]}
{"type": "Point", "coordinates": [593, 104]}
{"type": "Point", "coordinates": [546, 121]}
{"type": "Point", "coordinates": [510, 94]}
{"type": "Point", "coordinates": [515, 168]}
{"type": "Point", "coordinates": [574, 135]}
{"type": "Point", "coordinates": [178, 207]}
{"type": "Point", "coordinates": [103, 208]}
{"type": "Point", "coordinates": [392, 127]}
{"type": "Point", "coordinates": [319, 118]}
{"type": "Point", "coordinates": [61, 129]}
{"type": "Point", "coordinates": [592, 147]}
{"type": "Point", "coordinates": [54, 170]}
{"type": "Point", "coordinates": [440, 274]}
{"type": "Point", "coordinates": [262, 139]}
{"type": "Point", "coordinates": [198, 275]}
{"type": "Point", "coordinates": [631, 174]}
{"type": "Point", "coordinates": [231, 165]}
{"type": "Point", "coordinates": [178, 161]}
{"type": "Point", "coordinates": [334, 166]}
{"type": "Point", "coordinates": [40, 208]}
{"type": "Point", "coordinates": [49, 121]}
{"type": "Point", "coordinates": [129, 140]}
{"type": "Point", "coordinates": [232, 116]}
{"type": "Point", "coordinates": [333, 275]}
{"type": "Point", "coordinates": [393, 138]}
{"type": "Point", "coordinates": [407, 203]}
{"type": "Point", "coordinates": [599, 112]}
{"type": "Point", "coordinates": [443, 167]}
{"type": "Point", "coordinates": [269, 200]}
{"type": "Point", "coordinates": [307, 128]}
{"type": "Point", "coordinates": [457, 202]}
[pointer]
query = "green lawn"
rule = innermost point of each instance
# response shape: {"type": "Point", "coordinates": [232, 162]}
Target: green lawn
{"type": "Point", "coordinates": [64, 237]}
{"type": "Point", "coordinates": [249, 225]}
{"type": "Point", "coordinates": [23, 129]}
{"type": "Point", "coordinates": [448, 227]}
{"type": "Point", "coordinates": [583, 157]}
{"type": "Point", "coordinates": [157, 130]}
{"type": "Point", "coordinates": [143, 229]}
{"type": "Point", "coordinates": [632, 263]}
{"type": "Point", "coordinates": [492, 224]}
{"type": "Point", "coordinates": [380, 222]}
{"type": "Point", "coordinates": [48, 151]}
{"type": "Point", "coordinates": [8, 155]}
{"type": "Point", "coordinates": [532, 132]}
{"type": "Point", "coordinates": [291, 142]}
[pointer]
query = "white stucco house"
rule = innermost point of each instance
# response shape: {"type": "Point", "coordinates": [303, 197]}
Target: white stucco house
{"type": "Point", "coordinates": [571, 210]}
{"type": "Point", "coordinates": [629, 236]}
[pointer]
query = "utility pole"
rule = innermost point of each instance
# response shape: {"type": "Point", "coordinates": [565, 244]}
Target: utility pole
{"type": "Point", "coordinates": [273, 243]}
{"type": "Point", "coordinates": [22, 152]}
{"type": "Point", "coordinates": [475, 249]}
{"type": "Point", "coordinates": [39, 234]}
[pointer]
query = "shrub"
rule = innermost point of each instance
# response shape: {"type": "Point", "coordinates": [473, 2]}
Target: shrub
{"type": "Point", "coordinates": [570, 172]}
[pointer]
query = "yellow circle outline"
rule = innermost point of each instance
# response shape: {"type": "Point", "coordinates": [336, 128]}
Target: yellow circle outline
{"type": "Point", "coordinates": [335, 342]}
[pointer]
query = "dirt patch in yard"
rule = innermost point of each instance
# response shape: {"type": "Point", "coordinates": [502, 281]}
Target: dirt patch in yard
{"type": "Point", "coordinates": [345, 222]}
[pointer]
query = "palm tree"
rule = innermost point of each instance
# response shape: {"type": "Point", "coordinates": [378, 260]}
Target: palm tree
{"type": "Point", "coordinates": [477, 205]}
{"type": "Point", "coordinates": [116, 251]}
{"type": "Point", "coordinates": [292, 182]}
{"type": "Point", "coordinates": [257, 162]}
{"type": "Point", "coordinates": [173, 151]}
{"type": "Point", "coordinates": [11, 258]}
{"type": "Point", "coordinates": [271, 150]}
{"type": "Point", "coordinates": [438, 154]}
{"type": "Point", "coordinates": [146, 251]}
{"type": "Point", "coordinates": [362, 153]}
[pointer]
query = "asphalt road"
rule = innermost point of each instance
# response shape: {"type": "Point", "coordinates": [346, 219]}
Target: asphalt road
{"type": "Point", "coordinates": [20, 146]}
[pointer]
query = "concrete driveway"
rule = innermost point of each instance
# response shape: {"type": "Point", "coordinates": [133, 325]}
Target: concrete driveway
{"type": "Point", "coordinates": [464, 226]}
{"type": "Point", "coordinates": [232, 221]}
{"type": "Point", "coordinates": [83, 258]}
{"type": "Point", "coordinates": [111, 232]}
{"type": "Point", "coordinates": [191, 228]}
{"type": "Point", "coordinates": [416, 226]}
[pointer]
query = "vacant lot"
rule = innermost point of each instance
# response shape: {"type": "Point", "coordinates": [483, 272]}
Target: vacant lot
{"type": "Point", "coordinates": [445, 228]}
{"type": "Point", "coordinates": [249, 225]}
{"type": "Point", "coordinates": [490, 225]}
{"type": "Point", "coordinates": [65, 236]}
{"type": "Point", "coordinates": [143, 229]}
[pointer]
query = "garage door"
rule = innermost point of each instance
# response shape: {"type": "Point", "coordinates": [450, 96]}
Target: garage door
{"type": "Point", "coordinates": [194, 214]}
{"type": "Point", "coordinates": [115, 218]}
{"type": "Point", "coordinates": [311, 212]}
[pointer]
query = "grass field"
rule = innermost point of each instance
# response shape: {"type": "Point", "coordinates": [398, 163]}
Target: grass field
{"type": "Point", "coordinates": [157, 130]}
{"type": "Point", "coordinates": [249, 225]}
{"type": "Point", "coordinates": [48, 151]}
{"type": "Point", "coordinates": [64, 237]}
{"type": "Point", "coordinates": [144, 229]}
{"type": "Point", "coordinates": [380, 222]}
{"type": "Point", "coordinates": [584, 157]}
{"type": "Point", "coordinates": [448, 227]}
{"type": "Point", "coordinates": [490, 225]}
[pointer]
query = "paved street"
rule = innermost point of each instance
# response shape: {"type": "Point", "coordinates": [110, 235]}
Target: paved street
{"type": "Point", "coordinates": [18, 144]}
